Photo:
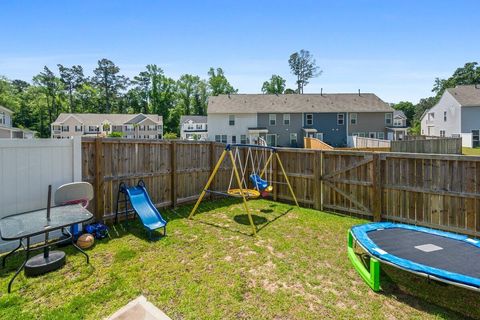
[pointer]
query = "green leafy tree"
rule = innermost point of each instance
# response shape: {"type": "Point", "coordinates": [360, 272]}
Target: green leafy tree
{"type": "Point", "coordinates": [289, 91]}
{"type": "Point", "coordinates": [192, 94]}
{"type": "Point", "coordinates": [218, 83]}
{"type": "Point", "coordinates": [143, 88]}
{"type": "Point", "coordinates": [466, 75]}
{"type": "Point", "coordinates": [200, 99]}
{"type": "Point", "coordinates": [304, 67]}
{"type": "Point", "coordinates": [72, 78]}
{"type": "Point", "coordinates": [51, 86]}
{"type": "Point", "coordinates": [110, 83]}
{"type": "Point", "coordinates": [276, 85]}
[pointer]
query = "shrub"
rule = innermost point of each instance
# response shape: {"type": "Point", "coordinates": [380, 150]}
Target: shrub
{"type": "Point", "coordinates": [170, 136]}
{"type": "Point", "coordinates": [115, 134]}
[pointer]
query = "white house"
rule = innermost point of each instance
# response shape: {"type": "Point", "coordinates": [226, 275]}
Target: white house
{"type": "Point", "coordinates": [457, 113]}
{"type": "Point", "coordinates": [193, 127]}
{"type": "Point", "coordinates": [8, 131]}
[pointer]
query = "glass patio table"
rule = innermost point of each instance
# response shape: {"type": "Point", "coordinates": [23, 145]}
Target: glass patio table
{"type": "Point", "coordinates": [24, 226]}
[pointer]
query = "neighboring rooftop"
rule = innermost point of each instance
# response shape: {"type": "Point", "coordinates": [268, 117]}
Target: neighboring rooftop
{"type": "Point", "coordinates": [466, 95]}
{"type": "Point", "coordinates": [113, 118]}
{"type": "Point", "coordinates": [193, 119]}
{"type": "Point", "coordinates": [399, 113]}
{"type": "Point", "coordinates": [337, 102]}
{"type": "Point", "coordinates": [3, 109]}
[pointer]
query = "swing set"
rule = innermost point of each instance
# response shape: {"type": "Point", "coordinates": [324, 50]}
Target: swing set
{"type": "Point", "coordinates": [257, 162]}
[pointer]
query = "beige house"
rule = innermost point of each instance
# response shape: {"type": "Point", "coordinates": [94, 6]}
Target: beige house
{"type": "Point", "coordinates": [131, 126]}
{"type": "Point", "coordinates": [7, 131]}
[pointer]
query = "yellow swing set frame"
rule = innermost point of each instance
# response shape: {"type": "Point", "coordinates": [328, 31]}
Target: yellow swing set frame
{"type": "Point", "coordinates": [242, 192]}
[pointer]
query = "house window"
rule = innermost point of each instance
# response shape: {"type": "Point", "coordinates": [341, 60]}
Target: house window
{"type": "Point", "coordinates": [218, 138]}
{"type": "Point", "coordinates": [129, 127]}
{"type": "Point", "coordinates": [78, 128]}
{"type": "Point", "coordinates": [319, 135]}
{"type": "Point", "coordinates": [243, 139]}
{"type": "Point", "coordinates": [293, 139]}
{"type": "Point", "coordinates": [372, 135]}
{"type": "Point", "coordinates": [397, 122]}
{"type": "Point", "coordinates": [159, 128]}
{"type": "Point", "coordinates": [431, 116]}
{"type": "Point", "coordinates": [475, 138]}
{"type": "Point", "coordinates": [199, 127]}
{"type": "Point", "coordinates": [65, 128]}
{"type": "Point", "coordinates": [442, 133]}
{"type": "Point", "coordinates": [224, 138]}
{"type": "Point", "coordinates": [231, 120]}
{"type": "Point", "coordinates": [388, 118]}
{"type": "Point", "coordinates": [286, 119]}
{"type": "Point", "coordinates": [309, 119]}
{"type": "Point", "coordinates": [151, 127]}
{"type": "Point", "coordinates": [272, 140]}
{"type": "Point", "coordinates": [234, 139]}
{"type": "Point", "coordinates": [272, 119]}
{"type": "Point", "coordinates": [445, 116]}
{"type": "Point", "coordinates": [340, 119]}
{"type": "Point", "coordinates": [380, 135]}
{"type": "Point", "coordinates": [353, 118]}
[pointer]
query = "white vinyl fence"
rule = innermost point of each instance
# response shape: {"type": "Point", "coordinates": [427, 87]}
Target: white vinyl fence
{"type": "Point", "coordinates": [27, 167]}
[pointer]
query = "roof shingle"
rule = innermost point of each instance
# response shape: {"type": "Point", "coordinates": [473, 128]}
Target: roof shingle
{"type": "Point", "coordinates": [258, 103]}
{"type": "Point", "coordinates": [467, 96]}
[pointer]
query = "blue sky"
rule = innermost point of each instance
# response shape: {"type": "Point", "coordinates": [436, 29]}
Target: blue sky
{"type": "Point", "coordinates": [392, 48]}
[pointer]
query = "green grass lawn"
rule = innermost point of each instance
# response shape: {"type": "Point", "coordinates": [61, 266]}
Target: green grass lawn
{"type": "Point", "coordinates": [209, 268]}
{"type": "Point", "coordinates": [471, 151]}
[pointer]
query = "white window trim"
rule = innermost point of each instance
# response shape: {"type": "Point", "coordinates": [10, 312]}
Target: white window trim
{"type": "Point", "coordinates": [306, 119]}
{"type": "Point", "coordinates": [354, 116]}
{"type": "Point", "coordinates": [231, 118]}
{"type": "Point", "coordinates": [286, 116]}
{"type": "Point", "coordinates": [388, 116]}
{"type": "Point", "coordinates": [342, 116]}
{"type": "Point", "coordinates": [272, 116]}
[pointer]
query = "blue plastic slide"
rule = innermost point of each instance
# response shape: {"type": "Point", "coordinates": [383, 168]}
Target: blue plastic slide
{"type": "Point", "coordinates": [142, 205]}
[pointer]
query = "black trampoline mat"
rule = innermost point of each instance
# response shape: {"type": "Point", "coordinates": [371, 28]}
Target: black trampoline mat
{"type": "Point", "coordinates": [445, 253]}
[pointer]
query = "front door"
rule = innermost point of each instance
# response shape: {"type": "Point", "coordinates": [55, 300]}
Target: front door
{"type": "Point", "coordinates": [272, 140]}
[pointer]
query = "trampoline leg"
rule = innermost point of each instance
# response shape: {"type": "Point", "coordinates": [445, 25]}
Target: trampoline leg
{"type": "Point", "coordinates": [372, 276]}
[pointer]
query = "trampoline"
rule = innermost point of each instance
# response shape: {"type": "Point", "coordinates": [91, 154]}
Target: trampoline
{"type": "Point", "coordinates": [438, 255]}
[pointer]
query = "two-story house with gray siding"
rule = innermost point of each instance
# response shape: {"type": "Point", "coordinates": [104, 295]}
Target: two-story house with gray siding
{"type": "Point", "coordinates": [131, 126]}
{"type": "Point", "coordinates": [284, 120]}
{"type": "Point", "coordinates": [457, 113]}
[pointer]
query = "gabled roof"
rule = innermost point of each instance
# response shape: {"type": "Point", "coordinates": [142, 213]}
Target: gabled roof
{"type": "Point", "coordinates": [259, 103]}
{"type": "Point", "coordinates": [399, 113]}
{"type": "Point", "coordinates": [113, 118]}
{"type": "Point", "coordinates": [193, 119]}
{"type": "Point", "coordinates": [466, 96]}
{"type": "Point", "coordinates": [3, 109]}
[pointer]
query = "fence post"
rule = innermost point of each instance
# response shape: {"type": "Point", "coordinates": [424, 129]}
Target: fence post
{"type": "Point", "coordinates": [173, 165]}
{"type": "Point", "coordinates": [212, 166]}
{"type": "Point", "coordinates": [377, 187]}
{"type": "Point", "coordinates": [99, 180]}
{"type": "Point", "coordinates": [317, 183]}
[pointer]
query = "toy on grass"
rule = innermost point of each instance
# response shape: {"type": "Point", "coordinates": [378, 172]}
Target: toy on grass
{"type": "Point", "coordinates": [85, 241]}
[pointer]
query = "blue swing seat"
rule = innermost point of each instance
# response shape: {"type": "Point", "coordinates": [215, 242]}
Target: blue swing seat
{"type": "Point", "coordinates": [259, 183]}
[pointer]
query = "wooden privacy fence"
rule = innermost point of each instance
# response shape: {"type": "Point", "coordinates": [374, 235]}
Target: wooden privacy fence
{"type": "Point", "coordinates": [428, 145]}
{"type": "Point", "coordinates": [441, 191]}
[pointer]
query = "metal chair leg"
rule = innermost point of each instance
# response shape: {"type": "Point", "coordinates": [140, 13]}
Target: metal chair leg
{"type": "Point", "coordinates": [4, 259]}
